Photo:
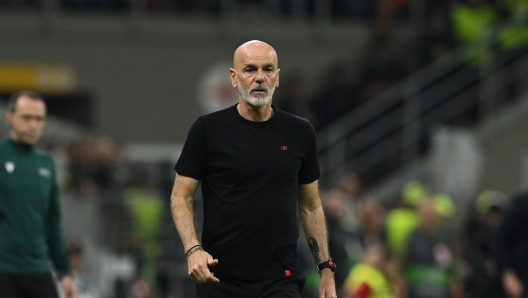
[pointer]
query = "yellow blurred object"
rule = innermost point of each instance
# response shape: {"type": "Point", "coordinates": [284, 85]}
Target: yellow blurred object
{"type": "Point", "coordinates": [444, 205]}
{"type": "Point", "coordinates": [490, 198]}
{"type": "Point", "coordinates": [372, 277]}
{"type": "Point", "coordinates": [414, 192]}
{"type": "Point", "coordinates": [400, 223]}
{"type": "Point", "coordinates": [45, 78]}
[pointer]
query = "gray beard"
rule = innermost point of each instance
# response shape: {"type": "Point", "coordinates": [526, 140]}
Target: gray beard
{"type": "Point", "coordinates": [257, 101]}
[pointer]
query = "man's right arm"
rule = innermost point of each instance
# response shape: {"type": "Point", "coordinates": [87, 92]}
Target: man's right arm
{"type": "Point", "coordinates": [182, 210]}
{"type": "Point", "coordinates": [198, 261]}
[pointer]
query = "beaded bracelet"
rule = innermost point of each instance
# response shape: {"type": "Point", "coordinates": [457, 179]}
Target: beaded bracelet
{"type": "Point", "coordinates": [192, 249]}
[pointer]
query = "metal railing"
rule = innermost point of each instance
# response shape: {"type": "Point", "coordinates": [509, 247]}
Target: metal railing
{"type": "Point", "coordinates": [392, 129]}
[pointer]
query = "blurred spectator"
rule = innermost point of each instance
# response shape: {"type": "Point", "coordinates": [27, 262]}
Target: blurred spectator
{"type": "Point", "coordinates": [94, 162]}
{"type": "Point", "coordinates": [403, 219]}
{"type": "Point", "coordinates": [146, 208]}
{"type": "Point", "coordinates": [371, 216]}
{"type": "Point", "coordinates": [513, 33]}
{"type": "Point", "coordinates": [350, 186]}
{"type": "Point", "coordinates": [428, 256]}
{"type": "Point", "coordinates": [479, 236]}
{"type": "Point", "coordinates": [473, 22]}
{"type": "Point", "coordinates": [140, 288]}
{"type": "Point", "coordinates": [84, 281]}
{"type": "Point", "coordinates": [338, 238]}
{"type": "Point", "coordinates": [369, 278]}
{"type": "Point", "coordinates": [444, 206]}
{"type": "Point", "coordinates": [512, 247]}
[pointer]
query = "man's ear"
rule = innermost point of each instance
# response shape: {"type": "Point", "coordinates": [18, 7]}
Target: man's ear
{"type": "Point", "coordinates": [278, 78]}
{"type": "Point", "coordinates": [232, 75]}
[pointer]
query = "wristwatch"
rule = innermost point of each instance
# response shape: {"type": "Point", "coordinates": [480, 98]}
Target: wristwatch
{"type": "Point", "coordinates": [330, 264]}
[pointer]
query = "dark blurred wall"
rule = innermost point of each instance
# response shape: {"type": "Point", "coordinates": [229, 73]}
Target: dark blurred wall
{"type": "Point", "coordinates": [144, 82]}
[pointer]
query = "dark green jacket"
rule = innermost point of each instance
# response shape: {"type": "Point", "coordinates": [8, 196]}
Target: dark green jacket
{"type": "Point", "coordinates": [30, 233]}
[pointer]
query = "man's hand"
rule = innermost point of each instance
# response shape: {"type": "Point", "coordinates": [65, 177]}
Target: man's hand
{"type": "Point", "coordinates": [198, 264]}
{"type": "Point", "coordinates": [68, 286]}
{"type": "Point", "coordinates": [327, 285]}
{"type": "Point", "coordinates": [512, 284]}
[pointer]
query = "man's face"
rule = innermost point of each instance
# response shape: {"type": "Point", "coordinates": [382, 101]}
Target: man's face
{"type": "Point", "coordinates": [27, 121]}
{"type": "Point", "coordinates": [255, 73]}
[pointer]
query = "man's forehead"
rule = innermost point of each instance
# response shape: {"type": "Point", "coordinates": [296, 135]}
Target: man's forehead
{"type": "Point", "coordinates": [255, 52]}
{"type": "Point", "coordinates": [260, 59]}
{"type": "Point", "coordinates": [25, 104]}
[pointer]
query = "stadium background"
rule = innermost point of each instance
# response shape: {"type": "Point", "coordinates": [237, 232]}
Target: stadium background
{"type": "Point", "coordinates": [398, 91]}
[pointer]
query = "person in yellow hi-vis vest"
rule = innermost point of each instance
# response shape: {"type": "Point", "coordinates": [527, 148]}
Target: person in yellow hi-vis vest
{"type": "Point", "coordinates": [368, 278]}
{"type": "Point", "coordinates": [513, 34]}
{"type": "Point", "coordinates": [473, 25]}
{"type": "Point", "coordinates": [146, 209]}
{"type": "Point", "coordinates": [401, 221]}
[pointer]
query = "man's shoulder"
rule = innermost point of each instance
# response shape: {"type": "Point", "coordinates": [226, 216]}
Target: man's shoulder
{"type": "Point", "coordinates": [44, 155]}
{"type": "Point", "coordinates": [293, 119]}
{"type": "Point", "coordinates": [215, 118]}
{"type": "Point", "coordinates": [220, 114]}
{"type": "Point", "coordinates": [4, 142]}
{"type": "Point", "coordinates": [42, 152]}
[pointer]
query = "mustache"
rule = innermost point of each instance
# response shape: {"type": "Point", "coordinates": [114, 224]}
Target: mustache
{"type": "Point", "coordinates": [259, 88]}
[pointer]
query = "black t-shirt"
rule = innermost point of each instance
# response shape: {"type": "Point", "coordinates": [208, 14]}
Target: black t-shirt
{"type": "Point", "coordinates": [250, 172]}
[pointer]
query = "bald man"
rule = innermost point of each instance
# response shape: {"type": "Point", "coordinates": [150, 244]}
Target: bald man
{"type": "Point", "coordinates": [258, 167]}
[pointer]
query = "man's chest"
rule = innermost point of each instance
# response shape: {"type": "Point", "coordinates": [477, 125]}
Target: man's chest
{"type": "Point", "coordinates": [25, 178]}
{"type": "Point", "coordinates": [255, 153]}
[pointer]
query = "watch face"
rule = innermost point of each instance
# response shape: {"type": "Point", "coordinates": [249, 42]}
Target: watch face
{"type": "Point", "coordinates": [331, 264]}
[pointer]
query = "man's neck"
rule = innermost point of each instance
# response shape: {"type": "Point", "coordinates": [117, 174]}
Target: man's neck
{"type": "Point", "coordinates": [257, 114]}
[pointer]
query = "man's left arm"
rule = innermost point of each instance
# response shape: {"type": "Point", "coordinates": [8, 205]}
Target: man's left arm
{"type": "Point", "coordinates": [56, 247]}
{"type": "Point", "coordinates": [313, 222]}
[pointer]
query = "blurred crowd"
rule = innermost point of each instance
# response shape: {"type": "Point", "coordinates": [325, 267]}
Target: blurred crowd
{"type": "Point", "coordinates": [419, 244]}
{"type": "Point", "coordinates": [88, 166]}
{"type": "Point", "coordinates": [481, 28]}
{"type": "Point", "coordinates": [367, 9]}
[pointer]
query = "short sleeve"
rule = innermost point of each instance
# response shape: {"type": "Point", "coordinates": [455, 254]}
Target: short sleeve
{"type": "Point", "coordinates": [193, 158]}
{"type": "Point", "coordinates": [309, 171]}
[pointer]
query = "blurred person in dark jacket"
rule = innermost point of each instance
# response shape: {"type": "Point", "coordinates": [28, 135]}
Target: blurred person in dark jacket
{"type": "Point", "coordinates": [339, 239]}
{"type": "Point", "coordinates": [512, 247]}
{"type": "Point", "coordinates": [428, 257]}
{"type": "Point", "coordinates": [84, 281]}
{"type": "Point", "coordinates": [479, 235]}
{"type": "Point", "coordinates": [31, 241]}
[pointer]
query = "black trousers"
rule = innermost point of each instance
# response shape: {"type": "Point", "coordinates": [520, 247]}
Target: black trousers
{"type": "Point", "coordinates": [27, 285]}
{"type": "Point", "coordinates": [283, 287]}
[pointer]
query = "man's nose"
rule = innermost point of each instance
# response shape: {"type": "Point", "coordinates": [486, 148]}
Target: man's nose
{"type": "Point", "coordinates": [33, 123]}
{"type": "Point", "coordinates": [260, 76]}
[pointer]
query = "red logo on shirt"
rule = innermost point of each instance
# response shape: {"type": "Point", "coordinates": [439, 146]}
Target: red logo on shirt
{"type": "Point", "coordinates": [284, 148]}
{"type": "Point", "coordinates": [287, 272]}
